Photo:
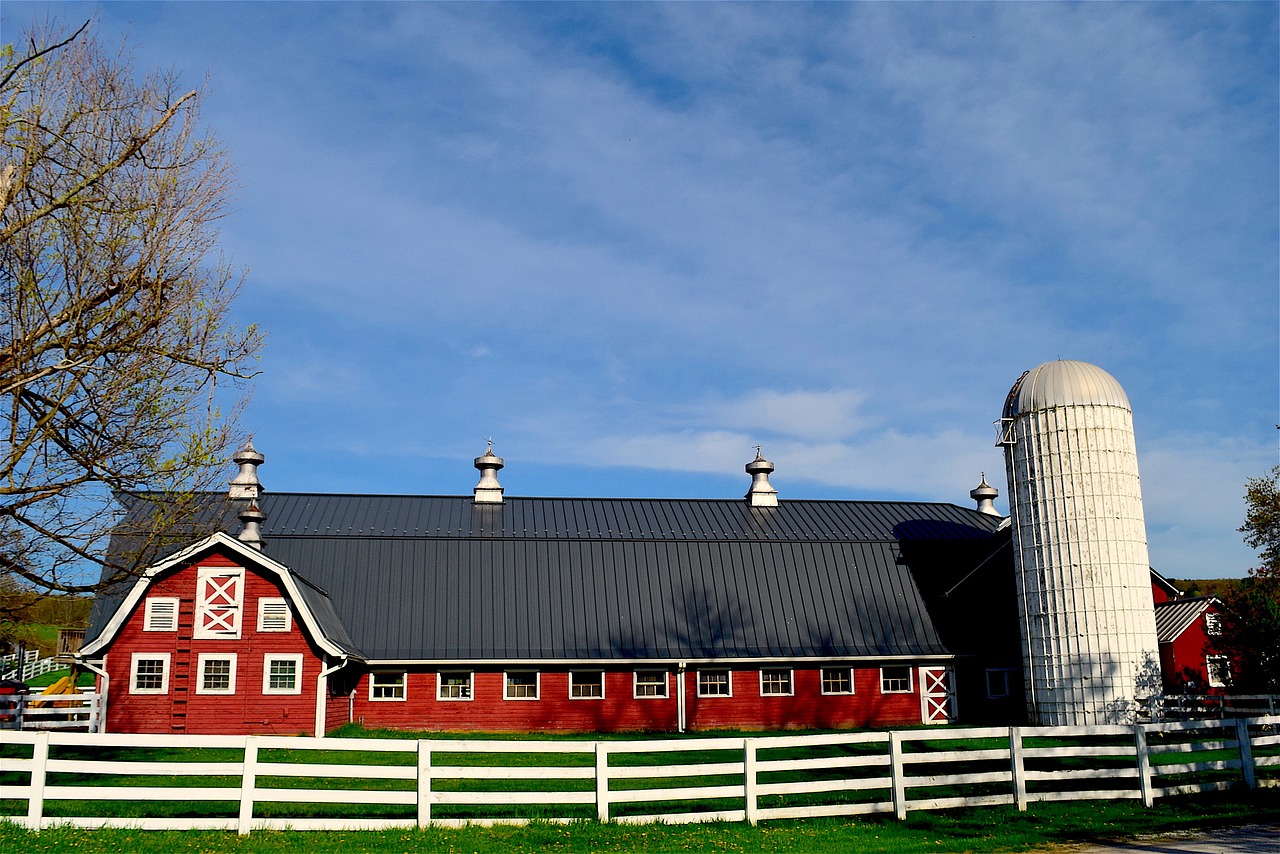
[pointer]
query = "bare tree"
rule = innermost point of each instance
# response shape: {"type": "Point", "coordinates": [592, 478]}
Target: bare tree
{"type": "Point", "coordinates": [116, 332]}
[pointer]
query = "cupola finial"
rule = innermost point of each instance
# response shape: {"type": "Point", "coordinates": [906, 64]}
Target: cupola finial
{"type": "Point", "coordinates": [985, 494]}
{"type": "Point", "coordinates": [488, 490]}
{"type": "Point", "coordinates": [245, 486]}
{"type": "Point", "coordinates": [761, 493]}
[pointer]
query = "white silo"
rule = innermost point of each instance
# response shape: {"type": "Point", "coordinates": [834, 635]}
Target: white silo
{"type": "Point", "coordinates": [1080, 546]}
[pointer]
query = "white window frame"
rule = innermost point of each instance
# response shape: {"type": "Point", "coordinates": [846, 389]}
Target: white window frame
{"type": "Point", "coordinates": [822, 676]}
{"type": "Point", "coordinates": [296, 658]}
{"type": "Point", "coordinates": [507, 685]}
{"type": "Point", "coordinates": [910, 679]}
{"type": "Point", "coordinates": [1212, 624]}
{"type": "Point", "coordinates": [1217, 670]}
{"type": "Point", "coordinates": [728, 683]}
{"type": "Point", "coordinates": [138, 658]}
{"type": "Point", "coordinates": [467, 692]}
{"type": "Point", "coordinates": [597, 681]}
{"type": "Point", "coordinates": [635, 685]}
{"type": "Point", "coordinates": [790, 682]}
{"type": "Point", "coordinates": [155, 610]}
{"type": "Point", "coordinates": [204, 659]}
{"type": "Point", "coordinates": [394, 691]}
{"type": "Point", "coordinates": [272, 608]}
{"type": "Point", "coordinates": [212, 582]}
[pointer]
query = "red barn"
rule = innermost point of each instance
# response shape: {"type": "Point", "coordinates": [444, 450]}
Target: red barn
{"type": "Point", "coordinates": [1187, 630]}
{"type": "Point", "coordinates": [485, 612]}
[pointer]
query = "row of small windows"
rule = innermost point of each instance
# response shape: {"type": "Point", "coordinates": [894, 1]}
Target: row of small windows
{"type": "Point", "coordinates": [216, 673]}
{"type": "Point", "coordinates": [589, 684]}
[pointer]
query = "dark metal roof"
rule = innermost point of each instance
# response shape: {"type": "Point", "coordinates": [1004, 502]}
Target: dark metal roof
{"type": "Point", "coordinates": [441, 578]}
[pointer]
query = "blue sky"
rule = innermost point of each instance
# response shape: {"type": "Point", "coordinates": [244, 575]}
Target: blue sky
{"type": "Point", "coordinates": [631, 241]}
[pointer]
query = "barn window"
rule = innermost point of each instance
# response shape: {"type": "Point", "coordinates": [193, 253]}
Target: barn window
{"type": "Point", "coordinates": [1212, 624]}
{"type": "Point", "coordinates": [161, 614]}
{"type": "Point", "coordinates": [273, 614]}
{"type": "Point", "coordinates": [586, 684]}
{"type": "Point", "coordinates": [454, 685]}
{"type": "Point", "coordinates": [219, 597]}
{"type": "Point", "coordinates": [999, 682]}
{"type": "Point", "coordinates": [650, 683]}
{"type": "Point", "coordinates": [217, 673]}
{"type": "Point", "coordinates": [386, 686]}
{"type": "Point", "coordinates": [895, 680]}
{"type": "Point", "coordinates": [775, 682]}
{"type": "Point", "coordinates": [521, 685]}
{"type": "Point", "coordinates": [1219, 671]}
{"type": "Point", "coordinates": [837, 680]}
{"type": "Point", "coordinates": [282, 674]}
{"type": "Point", "coordinates": [714, 683]}
{"type": "Point", "coordinates": [149, 673]}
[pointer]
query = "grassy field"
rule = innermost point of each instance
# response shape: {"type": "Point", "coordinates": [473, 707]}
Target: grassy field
{"type": "Point", "coordinates": [992, 829]}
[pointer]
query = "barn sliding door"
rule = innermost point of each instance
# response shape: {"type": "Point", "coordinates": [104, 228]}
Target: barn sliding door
{"type": "Point", "coordinates": [937, 695]}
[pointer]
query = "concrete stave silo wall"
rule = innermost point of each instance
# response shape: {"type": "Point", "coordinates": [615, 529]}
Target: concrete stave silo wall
{"type": "Point", "coordinates": [1084, 596]}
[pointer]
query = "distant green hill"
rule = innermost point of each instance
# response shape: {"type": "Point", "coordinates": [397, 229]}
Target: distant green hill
{"type": "Point", "coordinates": [1219, 587]}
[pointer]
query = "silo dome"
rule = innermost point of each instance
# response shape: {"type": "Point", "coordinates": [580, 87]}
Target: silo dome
{"type": "Point", "coordinates": [1064, 383]}
{"type": "Point", "coordinates": [1080, 546]}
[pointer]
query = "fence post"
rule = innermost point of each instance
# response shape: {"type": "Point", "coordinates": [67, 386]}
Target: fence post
{"type": "Point", "coordinates": [424, 783]}
{"type": "Point", "coordinates": [1246, 752]}
{"type": "Point", "coordinates": [248, 782]}
{"type": "Point", "coordinates": [1144, 764]}
{"type": "Point", "coordinates": [1017, 768]}
{"type": "Point", "coordinates": [19, 710]}
{"type": "Point", "coordinates": [749, 791]}
{"type": "Point", "coordinates": [897, 771]}
{"type": "Point", "coordinates": [39, 773]}
{"type": "Point", "coordinates": [602, 781]}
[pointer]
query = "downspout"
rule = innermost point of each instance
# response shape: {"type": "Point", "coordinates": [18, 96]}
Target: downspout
{"type": "Point", "coordinates": [106, 685]}
{"type": "Point", "coordinates": [680, 713]}
{"type": "Point", "coordinates": [322, 682]}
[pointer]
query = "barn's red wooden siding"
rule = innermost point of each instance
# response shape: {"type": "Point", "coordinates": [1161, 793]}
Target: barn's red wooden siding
{"type": "Point", "coordinates": [182, 709]}
{"type": "Point", "coordinates": [620, 710]}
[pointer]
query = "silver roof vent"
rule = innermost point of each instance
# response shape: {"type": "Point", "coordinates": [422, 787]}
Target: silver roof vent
{"type": "Point", "coordinates": [252, 518]}
{"type": "Point", "coordinates": [985, 494]}
{"type": "Point", "coordinates": [245, 485]}
{"type": "Point", "coordinates": [761, 493]}
{"type": "Point", "coordinates": [488, 490]}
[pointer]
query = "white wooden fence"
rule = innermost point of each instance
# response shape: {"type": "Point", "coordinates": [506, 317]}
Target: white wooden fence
{"type": "Point", "coordinates": [245, 783]}
{"type": "Point", "coordinates": [51, 711]}
{"type": "Point", "coordinates": [31, 666]}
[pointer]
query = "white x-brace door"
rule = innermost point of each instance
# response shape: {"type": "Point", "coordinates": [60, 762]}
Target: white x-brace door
{"type": "Point", "coordinates": [937, 695]}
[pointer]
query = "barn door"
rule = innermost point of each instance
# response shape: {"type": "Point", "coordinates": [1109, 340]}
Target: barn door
{"type": "Point", "coordinates": [219, 597]}
{"type": "Point", "coordinates": [937, 695]}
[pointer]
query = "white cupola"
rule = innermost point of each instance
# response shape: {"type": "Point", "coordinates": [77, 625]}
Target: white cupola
{"type": "Point", "coordinates": [985, 494]}
{"type": "Point", "coordinates": [761, 493]}
{"type": "Point", "coordinates": [252, 518]}
{"type": "Point", "coordinates": [245, 486]}
{"type": "Point", "coordinates": [488, 490]}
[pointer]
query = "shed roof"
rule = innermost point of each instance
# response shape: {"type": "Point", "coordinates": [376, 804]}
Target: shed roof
{"type": "Point", "coordinates": [1177, 615]}
{"type": "Point", "coordinates": [440, 578]}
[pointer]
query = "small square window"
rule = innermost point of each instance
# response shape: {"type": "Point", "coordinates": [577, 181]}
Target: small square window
{"type": "Point", "coordinates": [586, 685]}
{"type": "Point", "coordinates": [837, 680]}
{"type": "Point", "coordinates": [161, 614]}
{"type": "Point", "coordinates": [521, 685]}
{"type": "Point", "coordinates": [150, 673]}
{"type": "Point", "coordinates": [714, 683]}
{"type": "Point", "coordinates": [1000, 683]}
{"type": "Point", "coordinates": [273, 615]}
{"type": "Point", "coordinates": [895, 680]}
{"type": "Point", "coordinates": [650, 683]}
{"type": "Point", "coordinates": [1213, 624]}
{"type": "Point", "coordinates": [775, 683]}
{"type": "Point", "coordinates": [217, 673]}
{"type": "Point", "coordinates": [454, 685]}
{"type": "Point", "coordinates": [282, 674]}
{"type": "Point", "coordinates": [386, 686]}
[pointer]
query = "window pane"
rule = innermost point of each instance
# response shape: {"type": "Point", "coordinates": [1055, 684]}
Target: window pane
{"type": "Point", "coordinates": [283, 674]}
{"type": "Point", "coordinates": [775, 682]}
{"type": "Point", "coordinates": [150, 674]}
{"type": "Point", "coordinates": [651, 683]}
{"type": "Point", "coordinates": [588, 684]}
{"type": "Point", "coordinates": [455, 686]}
{"type": "Point", "coordinates": [713, 683]}
{"type": "Point", "coordinates": [837, 680]}
{"type": "Point", "coordinates": [217, 675]}
{"type": "Point", "coordinates": [387, 686]}
{"type": "Point", "coordinates": [895, 680]}
{"type": "Point", "coordinates": [522, 686]}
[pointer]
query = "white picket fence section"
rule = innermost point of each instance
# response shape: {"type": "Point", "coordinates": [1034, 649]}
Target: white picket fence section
{"type": "Point", "coordinates": [247, 783]}
{"type": "Point", "coordinates": [32, 666]}
{"type": "Point", "coordinates": [51, 711]}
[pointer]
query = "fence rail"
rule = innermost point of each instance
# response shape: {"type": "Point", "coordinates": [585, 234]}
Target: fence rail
{"type": "Point", "coordinates": [246, 783]}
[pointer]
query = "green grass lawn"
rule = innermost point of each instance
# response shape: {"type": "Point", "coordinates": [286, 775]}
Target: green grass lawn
{"type": "Point", "coordinates": [994, 829]}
